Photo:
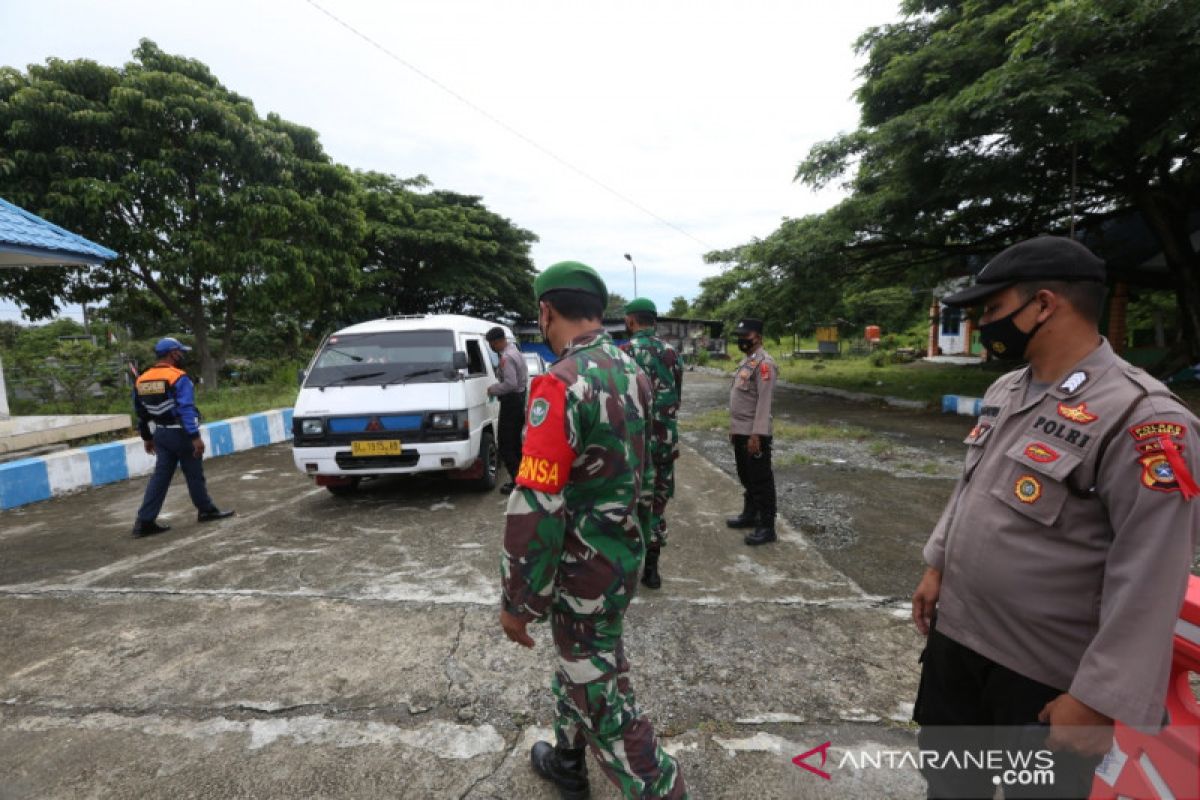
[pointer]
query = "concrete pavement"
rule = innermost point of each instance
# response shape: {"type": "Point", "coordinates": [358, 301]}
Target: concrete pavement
{"type": "Point", "coordinates": [315, 646]}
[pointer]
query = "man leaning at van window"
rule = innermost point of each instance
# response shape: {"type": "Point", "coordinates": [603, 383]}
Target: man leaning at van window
{"type": "Point", "coordinates": [510, 389]}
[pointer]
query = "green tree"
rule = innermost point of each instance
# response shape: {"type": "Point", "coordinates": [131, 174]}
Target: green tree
{"type": "Point", "coordinates": [217, 213]}
{"type": "Point", "coordinates": [439, 252]}
{"type": "Point", "coordinates": [616, 306]}
{"type": "Point", "coordinates": [679, 307]}
{"type": "Point", "coordinates": [976, 116]}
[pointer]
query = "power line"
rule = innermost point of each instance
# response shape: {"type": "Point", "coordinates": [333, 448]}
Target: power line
{"type": "Point", "coordinates": [501, 123]}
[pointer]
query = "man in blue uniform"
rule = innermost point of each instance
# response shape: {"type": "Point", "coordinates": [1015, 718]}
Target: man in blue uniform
{"type": "Point", "coordinates": [164, 395]}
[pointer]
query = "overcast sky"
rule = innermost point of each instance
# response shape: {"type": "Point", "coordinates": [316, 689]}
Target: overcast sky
{"type": "Point", "coordinates": [697, 113]}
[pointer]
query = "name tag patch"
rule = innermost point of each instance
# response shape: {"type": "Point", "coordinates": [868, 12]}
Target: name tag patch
{"type": "Point", "coordinates": [152, 387]}
{"type": "Point", "coordinates": [1060, 430]}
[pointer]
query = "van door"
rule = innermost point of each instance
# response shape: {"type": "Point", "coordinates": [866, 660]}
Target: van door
{"type": "Point", "coordinates": [480, 375]}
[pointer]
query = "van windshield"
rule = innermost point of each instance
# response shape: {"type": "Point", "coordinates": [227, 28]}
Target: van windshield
{"type": "Point", "coordinates": [374, 359]}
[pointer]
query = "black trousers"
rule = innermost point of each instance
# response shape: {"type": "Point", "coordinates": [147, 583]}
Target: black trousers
{"type": "Point", "coordinates": [757, 477]}
{"type": "Point", "coordinates": [512, 421]}
{"type": "Point", "coordinates": [967, 702]}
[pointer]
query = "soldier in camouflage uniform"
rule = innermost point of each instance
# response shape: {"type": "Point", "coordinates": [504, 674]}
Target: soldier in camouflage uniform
{"type": "Point", "coordinates": [661, 364]}
{"type": "Point", "coordinates": [575, 538]}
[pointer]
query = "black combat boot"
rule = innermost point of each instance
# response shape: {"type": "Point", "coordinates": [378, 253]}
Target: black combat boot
{"type": "Point", "coordinates": [150, 528]}
{"type": "Point", "coordinates": [650, 577]}
{"type": "Point", "coordinates": [747, 519]}
{"type": "Point", "coordinates": [566, 769]}
{"type": "Point", "coordinates": [763, 534]}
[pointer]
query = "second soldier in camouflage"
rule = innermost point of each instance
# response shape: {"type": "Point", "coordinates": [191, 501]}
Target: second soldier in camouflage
{"type": "Point", "coordinates": [662, 366]}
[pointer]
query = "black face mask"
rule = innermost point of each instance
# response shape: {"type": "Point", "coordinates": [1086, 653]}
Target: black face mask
{"type": "Point", "coordinates": [1004, 339]}
{"type": "Point", "coordinates": [545, 331]}
{"type": "Point", "coordinates": [745, 345]}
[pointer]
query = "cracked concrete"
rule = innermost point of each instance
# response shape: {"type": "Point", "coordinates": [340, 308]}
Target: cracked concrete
{"type": "Point", "coordinates": [348, 647]}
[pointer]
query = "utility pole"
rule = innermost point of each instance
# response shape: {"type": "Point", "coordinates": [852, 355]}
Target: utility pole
{"type": "Point", "coordinates": [630, 260]}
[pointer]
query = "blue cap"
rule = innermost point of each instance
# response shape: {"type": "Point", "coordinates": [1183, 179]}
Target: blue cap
{"type": "Point", "coordinates": [167, 344]}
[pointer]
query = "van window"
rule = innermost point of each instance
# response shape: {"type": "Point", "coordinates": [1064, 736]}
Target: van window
{"type": "Point", "coordinates": [365, 359]}
{"type": "Point", "coordinates": [475, 365]}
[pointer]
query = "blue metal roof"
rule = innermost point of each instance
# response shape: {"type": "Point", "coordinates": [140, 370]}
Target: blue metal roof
{"type": "Point", "coordinates": [27, 236]}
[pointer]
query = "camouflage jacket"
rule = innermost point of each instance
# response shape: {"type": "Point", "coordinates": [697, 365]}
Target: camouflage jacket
{"type": "Point", "coordinates": [577, 524]}
{"type": "Point", "coordinates": [661, 364]}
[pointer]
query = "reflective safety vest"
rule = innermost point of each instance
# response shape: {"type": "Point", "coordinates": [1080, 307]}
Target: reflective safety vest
{"type": "Point", "coordinates": [155, 393]}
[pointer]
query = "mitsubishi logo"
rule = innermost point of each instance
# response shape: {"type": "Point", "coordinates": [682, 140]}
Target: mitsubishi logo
{"type": "Point", "coordinates": [374, 424]}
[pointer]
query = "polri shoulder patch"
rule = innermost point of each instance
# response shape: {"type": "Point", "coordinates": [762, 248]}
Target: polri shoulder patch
{"type": "Point", "coordinates": [1154, 430]}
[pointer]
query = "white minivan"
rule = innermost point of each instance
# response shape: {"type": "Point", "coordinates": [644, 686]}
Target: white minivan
{"type": "Point", "coordinates": [399, 395]}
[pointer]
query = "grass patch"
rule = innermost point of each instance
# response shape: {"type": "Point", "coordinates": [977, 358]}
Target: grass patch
{"type": "Point", "coordinates": [801, 460]}
{"type": "Point", "coordinates": [790, 430]}
{"type": "Point", "coordinates": [716, 419]}
{"type": "Point", "coordinates": [882, 449]}
{"type": "Point", "coordinates": [919, 380]}
{"type": "Point", "coordinates": [233, 401]}
{"type": "Point", "coordinates": [238, 401]}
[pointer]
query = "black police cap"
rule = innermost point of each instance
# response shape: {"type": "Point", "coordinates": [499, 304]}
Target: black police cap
{"type": "Point", "coordinates": [1046, 258]}
{"type": "Point", "coordinates": [748, 325]}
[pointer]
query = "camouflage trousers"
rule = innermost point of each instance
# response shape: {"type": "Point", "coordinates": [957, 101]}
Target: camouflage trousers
{"type": "Point", "coordinates": [664, 490]}
{"type": "Point", "coordinates": [596, 706]}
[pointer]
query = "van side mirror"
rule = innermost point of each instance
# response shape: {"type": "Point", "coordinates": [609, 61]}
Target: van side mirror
{"type": "Point", "coordinates": [460, 360]}
{"type": "Point", "coordinates": [301, 374]}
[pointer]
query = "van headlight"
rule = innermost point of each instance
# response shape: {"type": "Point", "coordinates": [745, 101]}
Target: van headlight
{"type": "Point", "coordinates": [312, 427]}
{"type": "Point", "coordinates": [443, 421]}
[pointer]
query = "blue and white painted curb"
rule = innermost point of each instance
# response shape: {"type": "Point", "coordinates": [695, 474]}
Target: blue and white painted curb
{"type": "Point", "coordinates": [29, 480]}
{"type": "Point", "coordinates": [963, 406]}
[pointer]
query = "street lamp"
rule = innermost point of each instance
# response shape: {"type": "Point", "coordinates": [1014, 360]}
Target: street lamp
{"type": "Point", "coordinates": [629, 258]}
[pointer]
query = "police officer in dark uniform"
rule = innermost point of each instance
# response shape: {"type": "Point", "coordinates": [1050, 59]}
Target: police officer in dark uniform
{"type": "Point", "coordinates": [164, 395]}
{"type": "Point", "coordinates": [750, 432]}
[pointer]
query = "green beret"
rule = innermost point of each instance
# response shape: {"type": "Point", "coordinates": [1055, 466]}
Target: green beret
{"type": "Point", "coordinates": [641, 304]}
{"type": "Point", "coordinates": [570, 275]}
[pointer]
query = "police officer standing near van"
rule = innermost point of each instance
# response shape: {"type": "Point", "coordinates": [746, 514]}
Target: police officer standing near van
{"type": "Point", "coordinates": [164, 396]}
{"type": "Point", "coordinates": [750, 432]}
{"type": "Point", "coordinates": [510, 390]}
{"type": "Point", "coordinates": [1056, 572]}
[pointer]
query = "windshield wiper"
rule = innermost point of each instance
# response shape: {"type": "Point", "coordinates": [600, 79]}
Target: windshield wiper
{"type": "Point", "coordinates": [357, 377]}
{"type": "Point", "coordinates": [350, 356]}
{"type": "Point", "coordinates": [407, 375]}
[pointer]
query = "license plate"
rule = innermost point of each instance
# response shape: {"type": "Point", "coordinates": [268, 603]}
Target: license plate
{"type": "Point", "coordinates": [380, 447]}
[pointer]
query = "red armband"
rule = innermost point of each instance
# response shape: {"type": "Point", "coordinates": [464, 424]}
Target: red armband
{"type": "Point", "coordinates": [547, 455]}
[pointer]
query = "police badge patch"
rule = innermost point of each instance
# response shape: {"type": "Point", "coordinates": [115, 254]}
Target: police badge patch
{"type": "Point", "coordinates": [1157, 473]}
{"type": "Point", "coordinates": [1028, 489]}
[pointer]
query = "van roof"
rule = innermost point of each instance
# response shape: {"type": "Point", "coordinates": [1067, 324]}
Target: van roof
{"type": "Point", "coordinates": [424, 322]}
